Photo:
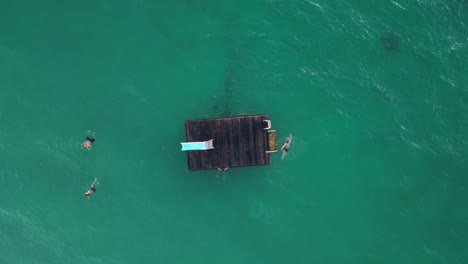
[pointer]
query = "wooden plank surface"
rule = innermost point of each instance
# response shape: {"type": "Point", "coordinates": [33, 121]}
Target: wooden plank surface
{"type": "Point", "coordinates": [238, 141]}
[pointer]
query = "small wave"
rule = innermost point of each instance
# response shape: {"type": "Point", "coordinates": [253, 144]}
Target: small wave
{"type": "Point", "coordinates": [315, 4]}
{"type": "Point", "coordinates": [411, 143]}
{"type": "Point", "coordinates": [415, 145]}
{"type": "Point", "coordinates": [398, 5]}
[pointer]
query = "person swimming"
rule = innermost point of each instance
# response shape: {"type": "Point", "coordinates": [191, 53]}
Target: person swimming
{"type": "Point", "coordinates": [222, 170]}
{"type": "Point", "coordinates": [90, 138]}
{"type": "Point", "coordinates": [286, 145]}
{"type": "Point", "coordinates": [92, 189]}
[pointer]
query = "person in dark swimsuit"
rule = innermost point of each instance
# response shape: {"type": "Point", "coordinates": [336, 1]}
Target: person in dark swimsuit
{"type": "Point", "coordinates": [92, 189]}
{"type": "Point", "coordinates": [90, 138]}
{"type": "Point", "coordinates": [286, 145]}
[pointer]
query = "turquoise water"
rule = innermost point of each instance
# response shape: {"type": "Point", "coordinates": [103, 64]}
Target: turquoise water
{"type": "Point", "coordinates": [375, 95]}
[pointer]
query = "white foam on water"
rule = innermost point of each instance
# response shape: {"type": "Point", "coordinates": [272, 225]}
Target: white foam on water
{"type": "Point", "coordinates": [315, 4]}
{"type": "Point", "coordinates": [398, 5]}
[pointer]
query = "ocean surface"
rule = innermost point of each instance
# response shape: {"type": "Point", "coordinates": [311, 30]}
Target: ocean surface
{"type": "Point", "coordinates": [375, 94]}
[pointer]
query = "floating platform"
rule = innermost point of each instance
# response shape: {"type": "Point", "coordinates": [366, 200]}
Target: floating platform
{"type": "Point", "coordinates": [236, 141]}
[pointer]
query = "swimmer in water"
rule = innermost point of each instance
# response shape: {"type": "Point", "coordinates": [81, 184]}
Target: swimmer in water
{"type": "Point", "coordinates": [92, 189]}
{"type": "Point", "coordinates": [223, 170]}
{"type": "Point", "coordinates": [90, 138]}
{"type": "Point", "coordinates": [286, 145]}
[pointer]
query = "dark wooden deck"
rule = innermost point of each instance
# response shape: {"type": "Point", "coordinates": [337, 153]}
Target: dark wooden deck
{"type": "Point", "coordinates": [238, 141]}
